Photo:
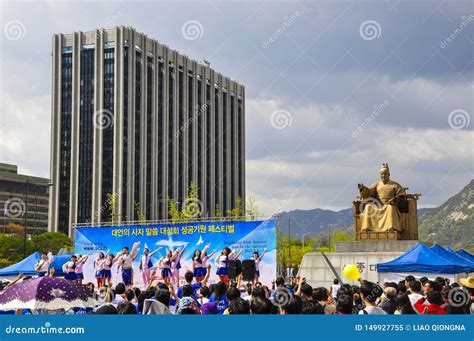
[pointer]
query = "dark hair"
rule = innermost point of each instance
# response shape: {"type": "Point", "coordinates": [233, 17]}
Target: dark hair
{"type": "Point", "coordinates": [279, 281]}
{"type": "Point", "coordinates": [344, 304]}
{"type": "Point", "coordinates": [127, 309]}
{"type": "Point", "coordinates": [403, 303]}
{"type": "Point", "coordinates": [129, 295]}
{"type": "Point", "coordinates": [435, 286]}
{"type": "Point", "coordinates": [423, 280]}
{"type": "Point", "coordinates": [258, 292]}
{"type": "Point", "coordinates": [410, 278]}
{"type": "Point", "coordinates": [205, 292]}
{"type": "Point", "coordinates": [336, 281]}
{"type": "Point", "coordinates": [163, 296]}
{"type": "Point", "coordinates": [239, 306]}
{"type": "Point", "coordinates": [307, 290]}
{"type": "Point", "coordinates": [312, 307]}
{"type": "Point", "coordinates": [370, 291]}
{"type": "Point", "coordinates": [261, 306]}
{"type": "Point", "coordinates": [320, 294]}
{"type": "Point", "coordinates": [126, 248]}
{"type": "Point", "coordinates": [415, 286]}
{"type": "Point", "coordinates": [212, 288]}
{"type": "Point", "coordinates": [187, 290]}
{"type": "Point", "coordinates": [220, 289]}
{"type": "Point", "coordinates": [434, 297]}
{"type": "Point", "coordinates": [256, 253]}
{"type": "Point", "coordinates": [137, 292]}
{"type": "Point", "coordinates": [161, 285]}
{"type": "Point", "coordinates": [194, 254]}
{"type": "Point", "coordinates": [120, 288]}
{"type": "Point", "coordinates": [188, 276]}
{"type": "Point", "coordinates": [232, 293]}
{"type": "Point", "coordinates": [228, 250]}
{"type": "Point", "coordinates": [345, 289]}
{"type": "Point", "coordinates": [293, 306]}
{"type": "Point", "coordinates": [402, 289]}
{"type": "Point", "coordinates": [143, 296]}
{"type": "Point", "coordinates": [107, 309]}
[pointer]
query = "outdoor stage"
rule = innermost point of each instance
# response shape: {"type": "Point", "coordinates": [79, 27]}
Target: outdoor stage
{"type": "Point", "coordinates": [248, 236]}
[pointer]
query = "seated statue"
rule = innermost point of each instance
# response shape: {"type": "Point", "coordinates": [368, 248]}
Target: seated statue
{"type": "Point", "coordinates": [379, 212]}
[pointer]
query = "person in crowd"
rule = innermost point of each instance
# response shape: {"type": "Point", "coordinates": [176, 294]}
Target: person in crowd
{"type": "Point", "coordinates": [434, 300]}
{"type": "Point", "coordinates": [258, 258]}
{"type": "Point", "coordinates": [356, 298]}
{"type": "Point", "coordinates": [370, 292]}
{"type": "Point", "coordinates": [260, 306]}
{"type": "Point", "coordinates": [292, 306]}
{"type": "Point", "coordinates": [389, 305]}
{"type": "Point", "coordinates": [404, 306]}
{"type": "Point", "coordinates": [414, 288]}
{"type": "Point", "coordinates": [305, 291]}
{"type": "Point", "coordinates": [42, 266]}
{"type": "Point", "coordinates": [344, 305]}
{"type": "Point", "coordinates": [219, 297]}
{"type": "Point", "coordinates": [239, 306]}
{"type": "Point", "coordinates": [432, 286]}
{"type": "Point", "coordinates": [321, 295]}
{"type": "Point", "coordinates": [335, 287]}
{"type": "Point", "coordinates": [423, 280]}
{"type": "Point", "coordinates": [146, 264]}
{"type": "Point", "coordinates": [456, 300]}
{"type": "Point", "coordinates": [69, 269]}
{"type": "Point", "coordinates": [468, 284]}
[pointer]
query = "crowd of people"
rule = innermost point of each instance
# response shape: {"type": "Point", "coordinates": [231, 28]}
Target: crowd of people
{"type": "Point", "coordinates": [295, 296]}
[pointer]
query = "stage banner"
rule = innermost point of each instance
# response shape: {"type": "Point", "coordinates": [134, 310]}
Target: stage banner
{"type": "Point", "coordinates": [248, 236]}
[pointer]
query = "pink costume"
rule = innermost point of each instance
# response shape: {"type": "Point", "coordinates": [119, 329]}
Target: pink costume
{"type": "Point", "coordinates": [175, 266]}
{"type": "Point", "coordinates": [144, 262]}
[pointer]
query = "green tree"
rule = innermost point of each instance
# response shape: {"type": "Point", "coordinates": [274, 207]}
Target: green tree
{"type": "Point", "coordinates": [340, 236]}
{"type": "Point", "coordinates": [237, 213]}
{"type": "Point", "coordinates": [140, 215]}
{"type": "Point", "coordinates": [11, 248]}
{"type": "Point", "coordinates": [51, 241]}
{"type": "Point", "coordinates": [174, 213]}
{"type": "Point", "coordinates": [112, 207]}
{"type": "Point", "coordinates": [252, 208]}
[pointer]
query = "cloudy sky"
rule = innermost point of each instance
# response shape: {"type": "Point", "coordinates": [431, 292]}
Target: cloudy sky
{"type": "Point", "coordinates": [334, 89]}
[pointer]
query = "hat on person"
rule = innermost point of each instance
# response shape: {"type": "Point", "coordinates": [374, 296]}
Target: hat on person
{"type": "Point", "coordinates": [187, 303]}
{"type": "Point", "coordinates": [468, 282]}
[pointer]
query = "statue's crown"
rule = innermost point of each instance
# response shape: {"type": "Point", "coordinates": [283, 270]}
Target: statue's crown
{"type": "Point", "coordinates": [385, 166]}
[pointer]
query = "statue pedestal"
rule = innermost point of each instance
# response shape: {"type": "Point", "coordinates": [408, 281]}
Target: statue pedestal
{"type": "Point", "coordinates": [320, 269]}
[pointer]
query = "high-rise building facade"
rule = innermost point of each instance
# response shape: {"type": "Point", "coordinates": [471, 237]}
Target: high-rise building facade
{"type": "Point", "coordinates": [137, 120]}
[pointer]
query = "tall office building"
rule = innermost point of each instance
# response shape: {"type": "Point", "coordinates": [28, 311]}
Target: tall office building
{"type": "Point", "coordinates": [133, 118]}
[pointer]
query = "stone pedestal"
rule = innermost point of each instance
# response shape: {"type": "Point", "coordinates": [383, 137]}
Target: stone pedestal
{"type": "Point", "coordinates": [320, 269]}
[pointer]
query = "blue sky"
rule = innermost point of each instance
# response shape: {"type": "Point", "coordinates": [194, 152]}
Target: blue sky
{"type": "Point", "coordinates": [334, 89]}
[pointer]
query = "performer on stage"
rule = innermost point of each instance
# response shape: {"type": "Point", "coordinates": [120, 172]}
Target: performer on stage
{"type": "Point", "coordinates": [222, 262]}
{"type": "Point", "coordinates": [80, 264]}
{"type": "Point", "coordinates": [126, 259]}
{"type": "Point", "coordinates": [146, 264]}
{"type": "Point", "coordinates": [199, 263]}
{"type": "Point", "coordinates": [257, 260]}
{"type": "Point", "coordinates": [69, 269]}
{"type": "Point", "coordinates": [107, 269]}
{"type": "Point", "coordinates": [165, 265]}
{"type": "Point", "coordinates": [41, 267]}
{"type": "Point", "coordinates": [99, 266]}
{"type": "Point", "coordinates": [176, 265]}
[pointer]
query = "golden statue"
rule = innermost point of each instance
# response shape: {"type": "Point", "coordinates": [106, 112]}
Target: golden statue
{"type": "Point", "coordinates": [386, 209]}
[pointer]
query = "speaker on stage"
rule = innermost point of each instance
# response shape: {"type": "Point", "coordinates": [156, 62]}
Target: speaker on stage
{"type": "Point", "coordinates": [248, 270]}
{"type": "Point", "coordinates": [235, 268]}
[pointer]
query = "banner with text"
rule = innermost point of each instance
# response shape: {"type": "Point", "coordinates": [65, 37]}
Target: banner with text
{"type": "Point", "coordinates": [248, 236]}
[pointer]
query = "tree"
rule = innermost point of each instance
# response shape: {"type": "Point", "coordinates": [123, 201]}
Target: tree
{"type": "Point", "coordinates": [112, 205]}
{"type": "Point", "coordinates": [174, 213]}
{"type": "Point", "coordinates": [11, 248]}
{"type": "Point", "coordinates": [14, 228]}
{"type": "Point", "coordinates": [218, 211]}
{"type": "Point", "coordinates": [340, 236]}
{"type": "Point", "coordinates": [51, 241]}
{"type": "Point", "coordinates": [237, 213]}
{"type": "Point", "coordinates": [140, 215]}
{"type": "Point", "coordinates": [192, 206]}
{"type": "Point", "coordinates": [252, 208]}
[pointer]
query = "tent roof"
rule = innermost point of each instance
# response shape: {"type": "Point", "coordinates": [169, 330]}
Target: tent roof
{"type": "Point", "coordinates": [452, 256]}
{"type": "Point", "coordinates": [27, 265]}
{"type": "Point", "coordinates": [421, 259]}
{"type": "Point", "coordinates": [463, 253]}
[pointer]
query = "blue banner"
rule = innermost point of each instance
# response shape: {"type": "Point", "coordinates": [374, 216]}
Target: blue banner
{"type": "Point", "coordinates": [246, 237]}
{"type": "Point", "coordinates": [235, 327]}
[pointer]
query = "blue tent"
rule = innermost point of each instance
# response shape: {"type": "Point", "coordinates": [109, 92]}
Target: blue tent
{"type": "Point", "coordinates": [27, 265]}
{"type": "Point", "coordinates": [420, 258]}
{"type": "Point", "coordinates": [463, 253]}
{"type": "Point", "coordinates": [452, 256]}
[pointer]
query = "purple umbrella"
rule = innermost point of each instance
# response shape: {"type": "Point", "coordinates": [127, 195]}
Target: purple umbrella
{"type": "Point", "coordinates": [47, 293]}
